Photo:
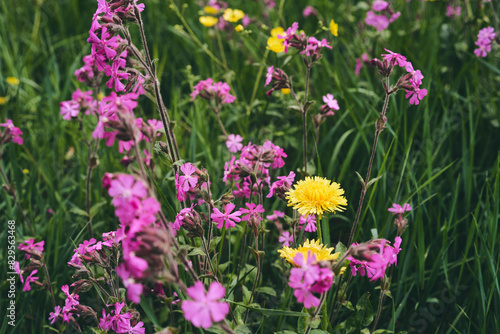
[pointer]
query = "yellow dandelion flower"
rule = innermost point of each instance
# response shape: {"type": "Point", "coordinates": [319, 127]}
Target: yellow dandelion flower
{"type": "Point", "coordinates": [277, 31]}
{"type": "Point", "coordinates": [334, 28]}
{"type": "Point", "coordinates": [315, 196]}
{"type": "Point", "coordinates": [285, 91]}
{"type": "Point", "coordinates": [210, 10]}
{"type": "Point", "coordinates": [321, 252]}
{"type": "Point", "coordinates": [26, 171]}
{"type": "Point", "coordinates": [3, 100]}
{"type": "Point", "coordinates": [275, 44]}
{"type": "Point", "coordinates": [12, 81]}
{"type": "Point", "coordinates": [208, 21]}
{"type": "Point", "coordinates": [233, 15]}
{"type": "Point", "coordinates": [100, 96]}
{"type": "Point", "coordinates": [239, 28]}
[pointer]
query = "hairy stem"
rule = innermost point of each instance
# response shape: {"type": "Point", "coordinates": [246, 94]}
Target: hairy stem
{"type": "Point", "coordinates": [368, 172]}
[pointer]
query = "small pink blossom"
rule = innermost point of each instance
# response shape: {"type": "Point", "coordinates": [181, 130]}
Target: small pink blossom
{"type": "Point", "coordinates": [331, 102]}
{"type": "Point", "coordinates": [29, 280]}
{"type": "Point", "coordinates": [227, 218]}
{"type": "Point", "coordinates": [396, 208]}
{"type": "Point", "coordinates": [285, 238]}
{"type": "Point", "coordinates": [233, 143]}
{"type": "Point", "coordinates": [309, 10]}
{"type": "Point", "coordinates": [205, 307]}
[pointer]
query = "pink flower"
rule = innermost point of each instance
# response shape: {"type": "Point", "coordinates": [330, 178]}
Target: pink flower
{"type": "Point", "coordinates": [486, 34]}
{"type": "Point", "coordinates": [379, 5]}
{"type": "Point", "coordinates": [205, 308]}
{"type": "Point", "coordinates": [11, 133]}
{"type": "Point", "coordinates": [31, 247]}
{"type": "Point", "coordinates": [126, 186]}
{"type": "Point", "coordinates": [54, 315]}
{"type": "Point", "coordinates": [309, 10]}
{"type": "Point", "coordinates": [285, 238]}
{"type": "Point", "coordinates": [396, 208]}
{"type": "Point", "coordinates": [395, 58]}
{"type": "Point", "coordinates": [134, 290]}
{"type": "Point", "coordinates": [269, 75]}
{"type": "Point", "coordinates": [380, 22]}
{"type": "Point", "coordinates": [29, 279]}
{"type": "Point", "coordinates": [416, 96]}
{"type": "Point", "coordinates": [227, 218]}
{"type": "Point", "coordinates": [233, 143]}
{"type": "Point", "coordinates": [331, 102]}
{"type": "Point", "coordinates": [253, 211]}
{"type": "Point", "coordinates": [284, 182]}
{"type": "Point", "coordinates": [69, 109]}
{"type": "Point", "coordinates": [276, 215]}
{"type": "Point", "coordinates": [310, 222]}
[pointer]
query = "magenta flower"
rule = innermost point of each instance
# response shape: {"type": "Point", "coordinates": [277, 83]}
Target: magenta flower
{"type": "Point", "coordinates": [395, 58]}
{"type": "Point", "coordinates": [269, 75]}
{"type": "Point", "coordinates": [379, 5]}
{"type": "Point", "coordinates": [233, 143]}
{"type": "Point", "coordinates": [228, 219]}
{"type": "Point", "coordinates": [29, 279]}
{"type": "Point", "coordinates": [310, 222]}
{"type": "Point", "coordinates": [380, 22]}
{"type": "Point", "coordinates": [69, 109]}
{"type": "Point", "coordinates": [126, 186]}
{"type": "Point", "coordinates": [54, 315]}
{"type": "Point", "coordinates": [309, 10]}
{"type": "Point", "coordinates": [253, 211]}
{"type": "Point", "coordinates": [31, 247]}
{"type": "Point", "coordinates": [396, 208]}
{"type": "Point", "coordinates": [206, 307]}
{"type": "Point", "coordinates": [11, 133]}
{"type": "Point", "coordinates": [106, 44]}
{"type": "Point", "coordinates": [484, 48]}
{"type": "Point", "coordinates": [331, 102]}
{"type": "Point", "coordinates": [134, 290]}
{"type": "Point", "coordinates": [285, 238]}
{"type": "Point", "coordinates": [416, 96]}
{"type": "Point", "coordinates": [276, 215]}
{"type": "Point", "coordinates": [487, 33]}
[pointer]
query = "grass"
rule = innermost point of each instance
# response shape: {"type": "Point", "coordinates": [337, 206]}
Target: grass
{"type": "Point", "coordinates": [442, 156]}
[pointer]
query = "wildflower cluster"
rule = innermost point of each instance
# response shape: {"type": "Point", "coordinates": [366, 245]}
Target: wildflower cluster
{"type": "Point", "coordinates": [307, 278]}
{"type": "Point", "coordinates": [11, 133]}
{"type": "Point", "coordinates": [484, 39]}
{"type": "Point", "coordinates": [453, 11]}
{"type": "Point", "coordinates": [411, 82]}
{"type": "Point", "coordinates": [381, 21]}
{"type": "Point", "coordinates": [32, 252]}
{"type": "Point", "coordinates": [218, 91]}
{"type": "Point", "coordinates": [372, 258]}
{"type": "Point", "coordinates": [250, 172]}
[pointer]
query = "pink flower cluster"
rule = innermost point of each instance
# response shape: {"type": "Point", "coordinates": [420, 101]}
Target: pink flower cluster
{"type": "Point", "coordinates": [108, 52]}
{"type": "Point", "coordinates": [412, 81]}
{"type": "Point", "coordinates": [310, 46]}
{"type": "Point", "coordinates": [373, 258]}
{"type": "Point", "coordinates": [138, 233]}
{"type": "Point", "coordinates": [450, 11]}
{"type": "Point", "coordinates": [33, 252]}
{"type": "Point", "coordinates": [309, 278]}
{"type": "Point", "coordinates": [205, 308]}
{"type": "Point", "coordinates": [71, 307]}
{"type": "Point", "coordinates": [254, 159]}
{"type": "Point", "coordinates": [309, 222]}
{"type": "Point", "coordinates": [88, 251]}
{"type": "Point", "coordinates": [121, 322]}
{"type": "Point", "coordinates": [11, 133]}
{"type": "Point", "coordinates": [381, 21]}
{"type": "Point", "coordinates": [190, 183]}
{"type": "Point", "coordinates": [484, 39]}
{"type": "Point", "coordinates": [209, 90]}
{"type": "Point", "coordinates": [281, 186]}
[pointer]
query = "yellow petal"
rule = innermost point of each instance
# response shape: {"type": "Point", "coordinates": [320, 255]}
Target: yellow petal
{"type": "Point", "coordinates": [208, 21]}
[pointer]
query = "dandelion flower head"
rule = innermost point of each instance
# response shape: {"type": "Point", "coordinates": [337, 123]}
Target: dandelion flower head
{"type": "Point", "coordinates": [316, 196]}
{"type": "Point", "coordinates": [320, 251]}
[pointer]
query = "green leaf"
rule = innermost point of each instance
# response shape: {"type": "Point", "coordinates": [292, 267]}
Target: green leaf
{"type": "Point", "coordinates": [197, 251]}
{"type": "Point", "coordinates": [318, 331]}
{"type": "Point", "coordinates": [270, 312]}
{"type": "Point", "coordinates": [266, 290]}
{"type": "Point", "coordinates": [95, 208]}
{"type": "Point", "coordinates": [213, 243]}
{"type": "Point", "coordinates": [149, 312]}
{"type": "Point", "coordinates": [78, 211]}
